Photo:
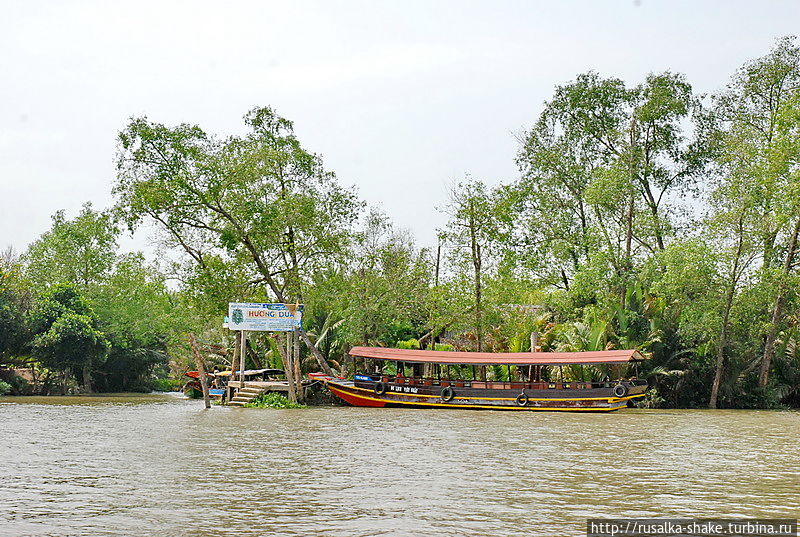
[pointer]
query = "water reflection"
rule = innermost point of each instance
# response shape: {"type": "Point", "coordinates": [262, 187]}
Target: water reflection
{"type": "Point", "coordinates": [162, 466]}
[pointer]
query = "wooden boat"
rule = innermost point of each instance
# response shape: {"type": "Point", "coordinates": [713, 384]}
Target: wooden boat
{"type": "Point", "coordinates": [536, 382]}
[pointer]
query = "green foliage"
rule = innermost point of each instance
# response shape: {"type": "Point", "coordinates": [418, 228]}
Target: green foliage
{"type": "Point", "coordinates": [19, 386]}
{"type": "Point", "coordinates": [5, 388]}
{"type": "Point", "coordinates": [66, 334]}
{"type": "Point", "coordinates": [165, 385]}
{"type": "Point", "coordinates": [14, 303]}
{"type": "Point", "coordinates": [644, 217]}
{"type": "Point", "coordinates": [408, 344]}
{"type": "Point", "coordinates": [106, 317]}
{"type": "Point", "coordinates": [259, 202]}
{"type": "Point", "coordinates": [139, 316]}
{"type": "Point", "coordinates": [377, 298]}
{"type": "Point", "coordinates": [272, 400]}
{"type": "Point", "coordinates": [80, 251]}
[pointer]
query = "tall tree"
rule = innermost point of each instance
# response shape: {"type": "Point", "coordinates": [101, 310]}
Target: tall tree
{"type": "Point", "coordinates": [602, 167]}
{"type": "Point", "coordinates": [756, 127]}
{"type": "Point", "coordinates": [731, 228]}
{"type": "Point", "coordinates": [80, 251]}
{"type": "Point", "coordinates": [473, 231]}
{"type": "Point", "coordinates": [261, 199]}
{"type": "Point", "coordinates": [141, 319]}
{"type": "Point", "coordinates": [379, 293]}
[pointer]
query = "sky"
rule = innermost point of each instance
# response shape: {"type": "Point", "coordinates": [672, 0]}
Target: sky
{"type": "Point", "coordinates": [401, 98]}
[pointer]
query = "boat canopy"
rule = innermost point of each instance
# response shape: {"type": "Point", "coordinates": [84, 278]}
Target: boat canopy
{"type": "Point", "coordinates": [498, 358]}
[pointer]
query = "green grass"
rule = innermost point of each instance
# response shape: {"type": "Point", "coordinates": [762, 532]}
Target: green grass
{"type": "Point", "coordinates": [272, 400]}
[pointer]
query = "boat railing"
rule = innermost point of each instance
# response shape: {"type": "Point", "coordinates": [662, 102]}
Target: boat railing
{"type": "Point", "coordinates": [503, 385]}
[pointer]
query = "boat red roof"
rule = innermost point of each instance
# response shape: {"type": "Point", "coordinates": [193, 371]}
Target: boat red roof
{"type": "Point", "coordinates": [498, 358]}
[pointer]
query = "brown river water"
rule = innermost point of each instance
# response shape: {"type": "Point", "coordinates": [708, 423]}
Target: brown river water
{"type": "Point", "coordinates": [161, 465]}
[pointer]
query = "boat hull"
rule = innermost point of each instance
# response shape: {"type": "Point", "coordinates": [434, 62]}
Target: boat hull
{"type": "Point", "coordinates": [523, 398]}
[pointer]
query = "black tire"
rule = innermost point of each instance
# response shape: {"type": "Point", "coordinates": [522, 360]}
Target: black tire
{"type": "Point", "coordinates": [620, 390]}
{"type": "Point", "coordinates": [522, 399]}
{"type": "Point", "coordinates": [447, 394]}
{"type": "Point", "coordinates": [380, 388]}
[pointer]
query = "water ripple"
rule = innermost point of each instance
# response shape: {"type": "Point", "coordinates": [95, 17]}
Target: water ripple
{"type": "Point", "coordinates": [138, 466]}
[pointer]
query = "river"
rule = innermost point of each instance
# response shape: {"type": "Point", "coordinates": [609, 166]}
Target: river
{"type": "Point", "coordinates": [161, 465]}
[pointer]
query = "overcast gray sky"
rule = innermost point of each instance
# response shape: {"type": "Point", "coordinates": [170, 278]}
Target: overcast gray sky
{"type": "Point", "coordinates": [400, 97]}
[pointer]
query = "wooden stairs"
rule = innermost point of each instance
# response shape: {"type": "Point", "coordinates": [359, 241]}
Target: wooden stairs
{"type": "Point", "coordinates": [247, 394]}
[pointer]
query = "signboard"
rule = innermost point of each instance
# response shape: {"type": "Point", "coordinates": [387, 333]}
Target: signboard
{"type": "Point", "coordinates": [264, 317]}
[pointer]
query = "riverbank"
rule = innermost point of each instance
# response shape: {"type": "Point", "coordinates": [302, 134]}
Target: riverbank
{"type": "Point", "coordinates": [128, 464]}
{"type": "Point", "coordinates": [94, 398]}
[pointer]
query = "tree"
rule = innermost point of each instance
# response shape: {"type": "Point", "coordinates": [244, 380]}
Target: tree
{"type": "Point", "coordinates": [80, 251]}
{"type": "Point", "coordinates": [380, 292]}
{"type": "Point", "coordinates": [756, 129]}
{"type": "Point", "coordinates": [66, 333]}
{"type": "Point", "coordinates": [261, 200]}
{"type": "Point", "coordinates": [141, 320]}
{"type": "Point", "coordinates": [601, 168]}
{"type": "Point", "coordinates": [15, 297]}
{"type": "Point", "coordinates": [732, 229]}
{"type": "Point", "coordinates": [474, 229]}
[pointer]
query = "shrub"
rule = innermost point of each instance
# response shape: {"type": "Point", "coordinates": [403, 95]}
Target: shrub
{"type": "Point", "coordinates": [272, 400]}
{"type": "Point", "coordinates": [651, 400]}
{"type": "Point", "coordinates": [165, 385]}
{"type": "Point", "coordinates": [5, 388]}
{"type": "Point", "coordinates": [14, 385]}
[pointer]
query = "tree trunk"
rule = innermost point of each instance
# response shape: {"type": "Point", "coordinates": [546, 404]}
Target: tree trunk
{"type": "Point", "coordinates": [298, 373]}
{"type": "Point", "coordinates": [777, 310]}
{"type": "Point", "coordinates": [87, 378]}
{"type": "Point", "coordinates": [201, 370]}
{"type": "Point", "coordinates": [475, 248]}
{"type": "Point", "coordinates": [629, 229]}
{"type": "Point", "coordinates": [726, 316]}
{"type": "Point", "coordinates": [242, 356]}
{"type": "Point", "coordinates": [438, 262]}
{"type": "Point", "coordinates": [254, 357]}
{"type": "Point", "coordinates": [720, 363]}
{"type": "Point", "coordinates": [317, 354]}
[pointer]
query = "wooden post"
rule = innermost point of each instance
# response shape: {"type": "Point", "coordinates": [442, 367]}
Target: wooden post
{"type": "Point", "coordinates": [237, 343]}
{"type": "Point", "coordinates": [201, 370]}
{"type": "Point", "coordinates": [286, 354]}
{"type": "Point", "coordinates": [242, 356]}
{"type": "Point", "coordinates": [534, 340]}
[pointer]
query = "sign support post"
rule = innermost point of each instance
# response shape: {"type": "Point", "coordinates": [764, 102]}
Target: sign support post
{"type": "Point", "coordinates": [242, 355]}
{"type": "Point", "coordinates": [244, 317]}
